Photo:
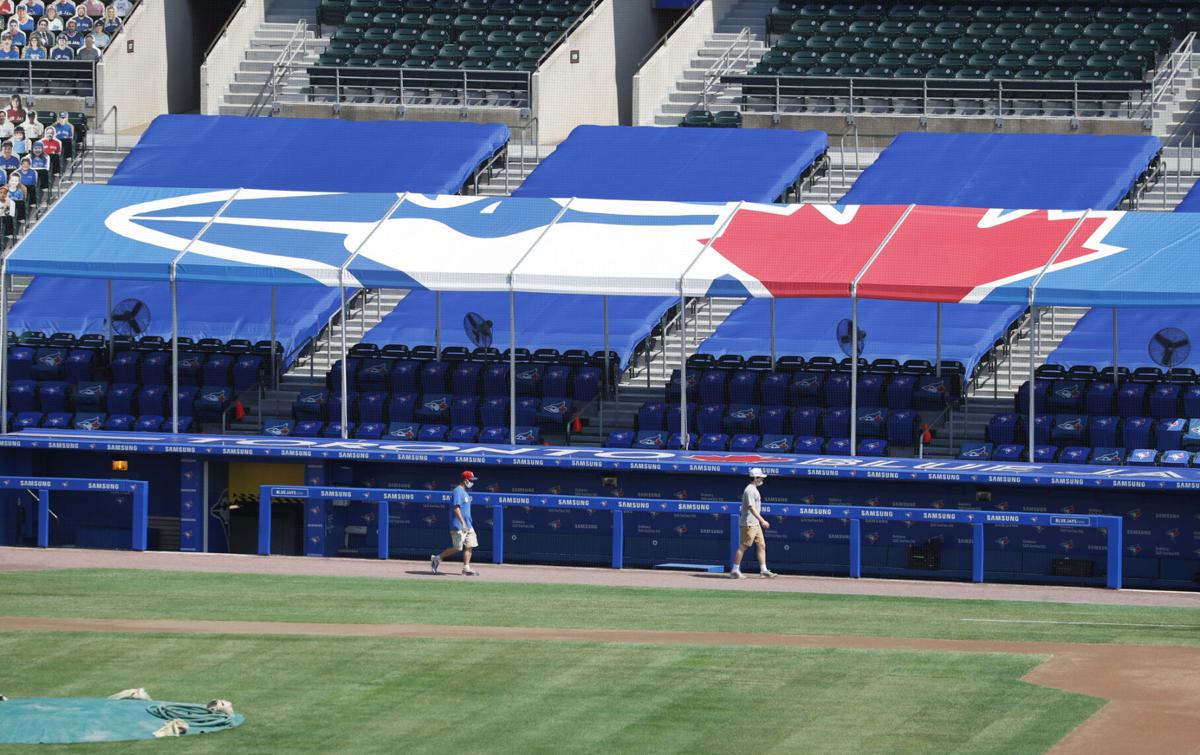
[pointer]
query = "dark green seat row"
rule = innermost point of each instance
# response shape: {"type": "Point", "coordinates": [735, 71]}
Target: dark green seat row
{"type": "Point", "coordinates": [470, 64]}
{"type": "Point", "coordinates": [1036, 30]}
{"type": "Point", "coordinates": [708, 119]}
{"type": "Point", "coordinates": [354, 36]}
{"type": "Point", "coordinates": [391, 11]}
{"type": "Point", "coordinates": [451, 51]}
{"type": "Point", "coordinates": [946, 72]}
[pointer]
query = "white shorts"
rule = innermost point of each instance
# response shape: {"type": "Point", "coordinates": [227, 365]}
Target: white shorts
{"type": "Point", "coordinates": [460, 541]}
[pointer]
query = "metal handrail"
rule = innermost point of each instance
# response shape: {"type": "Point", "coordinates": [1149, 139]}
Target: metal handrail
{"type": "Point", "coordinates": [345, 77]}
{"type": "Point", "coordinates": [224, 28]}
{"type": "Point", "coordinates": [662, 41]}
{"type": "Point", "coordinates": [112, 111]}
{"type": "Point", "coordinates": [312, 348]}
{"type": "Point", "coordinates": [1176, 58]}
{"type": "Point", "coordinates": [724, 64]}
{"type": "Point", "coordinates": [280, 69]}
{"type": "Point", "coordinates": [568, 31]}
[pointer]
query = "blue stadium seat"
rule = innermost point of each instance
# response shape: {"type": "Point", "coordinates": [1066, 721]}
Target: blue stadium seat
{"type": "Point", "coordinates": [808, 421]}
{"type": "Point", "coordinates": [465, 378]}
{"type": "Point", "coordinates": [556, 380]}
{"type": "Point", "coordinates": [808, 389]}
{"type": "Point", "coordinates": [278, 427]}
{"type": "Point", "coordinates": [79, 366]}
{"type": "Point", "coordinates": [372, 375]}
{"type": "Point", "coordinates": [587, 383]}
{"type": "Point", "coordinates": [675, 441]}
{"type": "Point", "coordinates": [464, 410]}
{"type": "Point", "coordinates": [334, 407]}
{"type": "Point", "coordinates": [151, 399]}
{"type": "Point", "coordinates": [714, 442]}
{"type": "Point", "coordinates": [651, 416]}
{"type": "Point", "coordinates": [871, 423]}
{"type": "Point", "coordinates": [1175, 459]}
{"type": "Point", "coordinates": [744, 442]}
{"type": "Point", "coordinates": [22, 396]}
{"type": "Point", "coordinates": [334, 430]}
{"type": "Point", "coordinates": [1136, 432]}
{"type": "Point", "coordinates": [776, 444]}
{"type": "Point", "coordinates": [1164, 400]}
{"type": "Point", "coordinates": [1021, 401]}
{"type": "Point", "coordinates": [123, 423]}
{"type": "Point", "coordinates": [837, 423]}
{"type": "Point", "coordinates": [310, 404]}
{"type": "Point", "coordinates": [495, 435]}
{"type": "Point", "coordinates": [1069, 430]}
{"type": "Point", "coordinates": [1142, 457]}
{"type": "Point", "coordinates": [52, 396]}
{"type": "Point", "coordinates": [773, 420]}
{"type": "Point", "coordinates": [554, 411]}
{"type": "Point", "coordinates": [124, 367]}
{"type": "Point", "coordinates": [120, 398]}
{"type": "Point", "coordinates": [1074, 455]}
{"type": "Point", "coordinates": [49, 363]}
{"type": "Point", "coordinates": [837, 389]}
{"type": "Point", "coordinates": [1168, 433]}
{"type": "Point", "coordinates": [619, 439]}
{"type": "Point", "coordinates": [402, 431]}
{"type": "Point", "coordinates": [308, 428]}
{"type": "Point", "coordinates": [1191, 436]}
{"type": "Point", "coordinates": [333, 378]}
{"type": "Point", "coordinates": [743, 387]}
{"type": "Point", "coordinates": [57, 421]}
{"type": "Point", "coordinates": [741, 418]}
{"type": "Point", "coordinates": [434, 432]}
{"type": "Point", "coordinates": [1191, 401]}
{"type": "Point", "coordinates": [371, 407]}
{"type": "Point", "coordinates": [20, 363]}
{"type": "Point", "coordinates": [402, 407]}
{"type": "Point", "coordinates": [463, 434]}
{"type": "Point", "coordinates": [712, 386]}
{"type": "Point", "coordinates": [838, 447]}
{"type": "Point", "coordinates": [1131, 400]}
{"type": "Point", "coordinates": [434, 377]}
{"type": "Point", "coordinates": [191, 367]}
{"type": "Point", "coordinates": [774, 388]}
{"type": "Point", "coordinates": [1043, 425]}
{"type": "Point", "coordinates": [26, 420]}
{"type": "Point", "coordinates": [974, 450]}
{"type": "Point", "coordinates": [1044, 454]}
{"type": "Point", "coordinates": [1066, 397]}
{"type": "Point", "coordinates": [494, 412]}
{"type": "Point", "coordinates": [1008, 452]}
{"type": "Point", "coordinates": [651, 439]}
{"type": "Point", "coordinates": [870, 389]}
{"type": "Point", "coordinates": [154, 368]}
{"type": "Point", "coordinates": [709, 418]}
{"type": "Point", "coordinates": [403, 377]}
{"type": "Point", "coordinates": [528, 436]}
{"type": "Point", "coordinates": [211, 402]}
{"type": "Point", "coordinates": [1108, 456]}
{"type": "Point", "coordinates": [873, 447]}
{"type": "Point", "coordinates": [902, 427]}
{"type": "Point", "coordinates": [369, 431]}
{"type": "Point", "coordinates": [217, 370]}
{"type": "Point", "coordinates": [527, 407]}
{"type": "Point", "coordinates": [693, 387]}
{"type": "Point", "coordinates": [933, 393]}
{"type": "Point", "coordinates": [900, 392]}
{"type": "Point", "coordinates": [1104, 431]}
{"type": "Point", "coordinates": [433, 408]}
{"type": "Point", "coordinates": [529, 380]}
{"type": "Point", "coordinates": [249, 370]}
{"type": "Point", "coordinates": [673, 417]}
{"type": "Point", "coordinates": [89, 396]}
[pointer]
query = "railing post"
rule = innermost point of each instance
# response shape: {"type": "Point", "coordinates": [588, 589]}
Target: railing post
{"type": "Point", "coordinates": [264, 520]}
{"type": "Point", "coordinates": [43, 519]}
{"type": "Point", "coordinates": [1116, 549]}
{"type": "Point", "coordinates": [618, 539]}
{"type": "Point", "coordinates": [497, 534]}
{"type": "Point", "coordinates": [855, 547]}
{"type": "Point", "coordinates": [977, 544]}
{"type": "Point", "coordinates": [382, 542]}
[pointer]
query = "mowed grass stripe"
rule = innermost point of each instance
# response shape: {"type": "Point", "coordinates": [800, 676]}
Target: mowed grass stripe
{"type": "Point", "coordinates": [420, 695]}
{"type": "Point", "coordinates": [252, 597]}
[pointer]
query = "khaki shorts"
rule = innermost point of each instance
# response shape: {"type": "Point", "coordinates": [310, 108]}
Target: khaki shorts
{"type": "Point", "coordinates": [752, 536]}
{"type": "Point", "coordinates": [460, 542]}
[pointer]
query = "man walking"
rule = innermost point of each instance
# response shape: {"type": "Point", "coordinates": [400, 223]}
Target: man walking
{"type": "Point", "coordinates": [752, 525]}
{"type": "Point", "coordinates": [462, 531]}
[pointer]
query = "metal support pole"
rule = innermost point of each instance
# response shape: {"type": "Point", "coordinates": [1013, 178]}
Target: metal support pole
{"type": "Point", "coordinates": [683, 423]}
{"type": "Point", "coordinates": [274, 367]}
{"type": "Point", "coordinates": [977, 544]}
{"type": "Point", "coordinates": [382, 536]}
{"type": "Point", "coordinates": [607, 366]}
{"type": "Point", "coordinates": [345, 402]}
{"type": "Point", "coordinates": [108, 318]}
{"type": "Point", "coordinates": [43, 518]}
{"type": "Point", "coordinates": [854, 375]}
{"type": "Point", "coordinates": [855, 548]}
{"type": "Point", "coordinates": [618, 539]}
{"type": "Point", "coordinates": [772, 333]}
{"type": "Point", "coordinates": [1033, 337]}
{"type": "Point", "coordinates": [1116, 379]}
{"type": "Point", "coordinates": [4, 346]}
{"type": "Point", "coordinates": [437, 323]}
{"type": "Point", "coordinates": [512, 367]}
{"type": "Point", "coordinates": [938, 353]}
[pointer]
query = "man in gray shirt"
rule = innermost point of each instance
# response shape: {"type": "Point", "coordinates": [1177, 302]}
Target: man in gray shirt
{"type": "Point", "coordinates": [89, 50]}
{"type": "Point", "coordinates": [752, 524]}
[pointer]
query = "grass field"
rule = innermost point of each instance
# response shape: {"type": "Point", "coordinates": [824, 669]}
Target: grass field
{"type": "Point", "coordinates": [318, 694]}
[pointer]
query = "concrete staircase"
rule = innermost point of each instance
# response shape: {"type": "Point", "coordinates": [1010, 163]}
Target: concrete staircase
{"type": "Point", "coordinates": [269, 41]}
{"type": "Point", "coordinates": [994, 390]}
{"type": "Point", "coordinates": [1181, 168]}
{"type": "Point", "coordinates": [1178, 115]}
{"type": "Point", "coordinates": [844, 169]}
{"type": "Point", "coordinates": [99, 164]}
{"type": "Point", "coordinates": [522, 160]}
{"type": "Point", "coordinates": [748, 14]}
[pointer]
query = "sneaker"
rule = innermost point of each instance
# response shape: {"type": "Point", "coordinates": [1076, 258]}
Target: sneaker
{"type": "Point", "coordinates": [469, 572]}
{"type": "Point", "coordinates": [735, 574]}
{"type": "Point", "coordinates": [434, 563]}
{"type": "Point", "coordinates": [767, 574]}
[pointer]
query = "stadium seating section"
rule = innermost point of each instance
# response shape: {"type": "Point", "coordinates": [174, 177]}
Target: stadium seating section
{"type": "Point", "coordinates": [401, 393]}
{"type": "Point", "coordinates": [38, 191]}
{"type": "Point", "coordinates": [1031, 42]}
{"type": "Point", "coordinates": [61, 381]}
{"type": "Point", "coordinates": [496, 35]}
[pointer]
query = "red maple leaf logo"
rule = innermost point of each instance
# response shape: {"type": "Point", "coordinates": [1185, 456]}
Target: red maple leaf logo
{"type": "Point", "coordinates": [807, 250]}
{"type": "Point", "coordinates": [739, 459]}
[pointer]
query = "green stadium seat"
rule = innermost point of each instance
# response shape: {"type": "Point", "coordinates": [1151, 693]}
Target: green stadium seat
{"type": "Point", "coordinates": [351, 34]}
{"type": "Point", "coordinates": [1021, 14]}
{"type": "Point", "coordinates": [964, 14]}
{"type": "Point", "coordinates": [922, 60]}
{"type": "Point", "coordinates": [1047, 14]}
{"type": "Point", "coordinates": [331, 59]}
{"type": "Point", "coordinates": [969, 73]}
{"type": "Point", "coordinates": [1025, 45]}
{"type": "Point", "coordinates": [1171, 14]}
{"type": "Point", "coordinates": [919, 29]}
{"type": "Point", "coordinates": [835, 27]}
{"type": "Point", "coordinates": [892, 28]}
{"type": "Point", "coordinates": [1120, 75]}
{"type": "Point", "coordinates": [1127, 31]}
{"type": "Point", "coordinates": [502, 65]}
{"type": "Point", "coordinates": [807, 58]}
{"type": "Point", "coordinates": [864, 59]}
{"type": "Point", "coordinates": [877, 43]}
{"type": "Point", "coordinates": [494, 22]}
{"type": "Point", "coordinates": [998, 45]}
{"type": "Point", "coordinates": [397, 50]}
{"type": "Point", "coordinates": [848, 43]}
{"type": "Point", "coordinates": [520, 23]}
{"type": "Point", "coordinates": [528, 38]}
{"type": "Point", "coordinates": [1057, 74]}
{"type": "Point", "coordinates": [902, 12]}
{"type": "Point", "coordinates": [423, 52]}
{"type": "Point", "coordinates": [1101, 62]}
{"type": "Point", "coordinates": [931, 12]}
{"type": "Point", "coordinates": [510, 52]}
{"type": "Point", "coordinates": [340, 47]}
{"type": "Point", "coordinates": [1089, 75]}
{"type": "Point", "coordinates": [848, 72]}
{"type": "Point", "coordinates": [553, 37]}
{"type": "Point", "coordinates": [821, 71]}
{"type": "Point", "coordinates": [982, 60]}
{"type": "Point", "coordinates": [1114, 46]}
{"type": "Point", "coordinates": [412, 21]}
{"type": "Point", "coordinates": [981, 29]}
{"type": "Point", "coordinates": [1134, 63]}
{"type": "Point", "coordinates": [473, 37]}
{"type": "Point", "coordinates": [878, 72]}
{"type": "Point", "coordinates": [395, 6]}
{"type": "Point", "coordinates": [1040, 61]}
{"type": "Point", "coordinates": [842, 10]}
{"type": "Point", "coordinates": [778, 57]}
{"type": "Point", "coordinates": [1163, 33]}
{"type": "Point", "coordinates": [558, 9]}
{"type": "Point", "coordinates": [1053, 46]}
{"type": "Point", "coordinates": [1011, 60]}
{"type": "Point", "coordinates": [417, 6]}
{"type": "Point", "coordinates": [1078, 14]}
{"type": "Point", "coordinates": [892, 59]}
{"type": "Point", "coordinates": [864, 27]}
{"type": "Point", "coordinates": [812, 10]}
{"type": "Point", "coordinates": [547, 23]}
{"type": "Point", "coordinates": [446, 6]}
{"type": "Point", "coordinates": [790, 43]}
{"type": "Point", "coordinates": [998, 73]}
{"type": "Point", "coordinates": [567, 22]}
{"type": "Point", "coordinates": [418, 63]}
{"type": "Point", "coordinates": [358, 18]}
{"type": "Point", "coordinates": [534, 53]}
{"type": "Point", "coordinates": [440, 21]}
{"type": "Point", "coordinates": [966, 44]}
{"type": "Point", "coordinates": [1067, 30]}
{"type": "Point", "coordinates": [446, 64]}
{"type": "Point", "coordinates": [906, 44]}
{"type": "Point", "coordinates": [908, 72]}
{"type": "Point", "coordinates": [953, 60]}
{"type": "Point", "coordinates": [1097, 31]}
{"type": "Point", "coordinates": [389, 63]}
{"type": "Point", "coordinates": [697, 119]}
{"type": "Point", "coordinates": [332, 11]}
{"type": "Point", "coordinates": [1083, 46]}
{"type": "Point", "coordinates": [386, 20]}
{"type": "Point", "coordinates": [940, 73]}
{"type": "Point", "coordinates": [1039, 30]}
{"type": "Point", "coordinates": [368, 50]}
{"type": "Point", "coordinates": [1146, 47]}
{"type": "Point", "coordinates": [1071, 62]}
{"type": "Point", "coordinates": [1112, 14]}
{"type": "Point", "coordinates": [835, 59]}
{"type": "Point", "coordinates": [358, 61]}
{"type": "Point", "coordinates": [780, 19]}
{"type": "Point", "coordinates": [466, 22]}
{"type": "Point", "coordinates": [871, 11]}
{"type": "Point", "coordinates": [820, 43]}
{"type": "Point", "coordinates": [1140, 14]}
{"type": "Point", "coordinates": [452, 51]}
{"type": "Point", "coordinates": [530, 7]}
{"type": "Point", "coordinates": [1010, 30]}
{"type": "Point", "coordinates": [938, 45]}
{"type": "Point", "coordinates": [435, 36]}
{"type": "Point", "coordinates": [505, 37]}
{"type": "Point", "coordinates": [363, 5]}
{"type": "Point", "coordinates": [1193, 18]}
{"type": "Point", "coordinates": [481, 52]}
{"type": "Point", "coordinates": [993, 14]}
{"type": "Point", "coordinates": [804, 27]}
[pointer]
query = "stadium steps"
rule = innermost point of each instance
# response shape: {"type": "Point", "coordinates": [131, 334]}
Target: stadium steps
{"type": "Point", "coordinates": [1178, 116]}
{"type": "Point", "coordinates": [1181, 168]}
{"type": "Point", "coordinates": [107, 158]}
{"type": "Point", "coordinates": [366, 311]}
{"type": "Point", "coordinates": [689, 84]}
{"type": "Point", "coordinates": [844, 170]}
{"type": "Point", "coordinates": [522, 160]}
{"type": "Point", "coordinates": [266, 45]}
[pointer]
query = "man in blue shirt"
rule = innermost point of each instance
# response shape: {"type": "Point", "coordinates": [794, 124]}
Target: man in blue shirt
{"type": "Point", "coordinates": [63, 128]}
{"type": "Point", "coordinates": [7, 51]}
{"type": "Point", "coordinates": [8, 161]}
{"type": "Point", "coordinates": [462, 530]}
{"type": "Point", "coordinates": [62, 51]}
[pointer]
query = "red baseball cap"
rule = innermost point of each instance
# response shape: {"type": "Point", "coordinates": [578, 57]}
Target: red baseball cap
{"type": "Point", "coordinates": [468, 475]}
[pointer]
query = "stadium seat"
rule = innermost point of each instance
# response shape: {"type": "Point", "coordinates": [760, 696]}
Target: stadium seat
{"type": "Point", "coordinates": [334, 430]}
{"type": "Point", "coordinates": [808, 421]}
{"type": "Point", "coordinates": [89, 396]}
{"type": "Point", "coordinates": [1136, 432]}
{"type": "Point", "coordinates": [1074, 455]}
{"type": "Point", "coordinates": [369, 431]}
{"type": "Point", "coordinates": [651, 416]}
{"type": "Point", "coordinates": [211, 403]}
{"type": "Point", "coordinates": [836, 424]}
{"type": "Point", "coordinates": [433, 433]}
{"type": "Point", "coordinates": [1008, 452]}
{"type": "Point", "coordinates": [308, 428]}
{"type": "Point", "coordinates": [1104, 431]}
{"type": "Point", "coordinates": [401, 431]}
{"type": "Point", "coordinates": [975, 451]}
{"type": "Point", "coordinates": [433, 408]}
{"type": "Point", "coordinates": [52, 396]}
{"type": "Point", "coordinates": [1142, 457]}
{"type": "Point", "coordinates": [123, 423]}
{"type": "Point", "coordinates": [808, 444]}
{"type": "Point", "coordinates": [777, 444]}
{"type": "Point", "coordinates": [744, 442]}
{"type": "Point", "coordinates": [873, 447]}
{"type": "Point", "coordinates": [1164, 400]}
{"type": "Point", "coordinates": [713, 442]}
{"type": "Point", "coordinates": [1175, 458]}
{"type": "Point", "coordinates": [838, 447]}
{"type": "Point", "coordinates": [620, 439]}
{"type": "Point", "coordinates": [276, 426]}
{"type": "Point", "coordinates": [1168, 433]}
{"type": "Point", "coordinates": [1108, 456]}
{"type": "Point", "coordinates": [463, 434]}
{"type": "Point", "coordinates": [741, 418]}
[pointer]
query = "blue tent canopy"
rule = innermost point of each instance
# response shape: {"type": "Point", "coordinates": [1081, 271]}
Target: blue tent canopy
{"type": "Point", "coordinates": [677, 164]}
{"type": "Point", "coordinates": [1191, 202]}
{"type": "Point", "coordinates": [1029, 171]}
{"type": "Point", "coordinates": [320, 154]}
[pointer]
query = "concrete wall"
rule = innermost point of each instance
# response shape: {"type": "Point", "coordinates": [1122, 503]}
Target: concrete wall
{"type": "Point", "coordinates": [136, 82]}
{"type": "Point", "coordinates": [598, 89]}
{"type": "Point", "coordinates": [654, 81]}
{"type": "Point", "coordinates": [222, 63]}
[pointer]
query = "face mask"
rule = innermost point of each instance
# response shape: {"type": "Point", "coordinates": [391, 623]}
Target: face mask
{"type": "Point", "coordinates": [468, 484]}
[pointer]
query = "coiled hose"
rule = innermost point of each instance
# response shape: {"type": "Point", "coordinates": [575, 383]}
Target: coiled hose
{"type": "Point", "coordinates": [196, 716]}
